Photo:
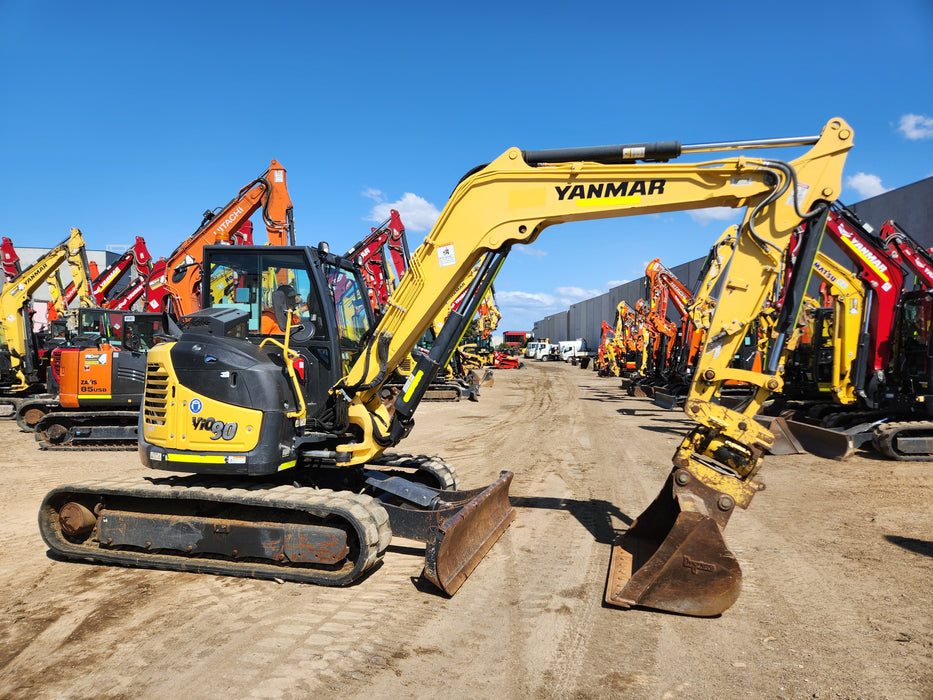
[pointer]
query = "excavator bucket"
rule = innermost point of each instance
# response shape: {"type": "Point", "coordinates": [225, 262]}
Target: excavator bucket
{"type": "Point", "coordinates": [482, 378]}
{"type": "Point", "coordinates": [457, 527]}
{"type": "Point", "coordinates": [674, 557]}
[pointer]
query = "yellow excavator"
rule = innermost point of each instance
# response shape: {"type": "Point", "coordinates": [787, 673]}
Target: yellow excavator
{"type": "Point", "coordinates": [236, 413]}
{"type": "Point", "coordinates": [820, 366]}
{"type": "Point", "coordinates": [21, 370]}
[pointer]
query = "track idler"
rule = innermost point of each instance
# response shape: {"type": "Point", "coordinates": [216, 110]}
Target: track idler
{"type": "Point", "coordinates": [674, 557]}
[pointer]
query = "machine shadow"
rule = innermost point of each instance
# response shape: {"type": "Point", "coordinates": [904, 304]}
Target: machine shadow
{"type": "Point", "coordinates": [924, 547]}
{"type": "Point", "coordinates": [595, 515]}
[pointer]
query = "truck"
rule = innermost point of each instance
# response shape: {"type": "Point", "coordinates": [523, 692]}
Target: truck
{"type": "Point", "coordinates": [537, 349]}
{"type": "Point", "coordinates": [574, 351]}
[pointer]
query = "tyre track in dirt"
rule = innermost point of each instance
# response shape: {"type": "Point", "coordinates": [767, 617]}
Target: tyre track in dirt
{"type": "Point", "coordinates": [544, 580]}
{"type": "Point", "coordinates": [835, 601]}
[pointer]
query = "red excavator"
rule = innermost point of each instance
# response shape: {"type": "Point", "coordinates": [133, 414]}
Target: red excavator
{"type": "Point", "coordinates": [892, 371]}
{"type": "Point", "coordinates": [382, 258]}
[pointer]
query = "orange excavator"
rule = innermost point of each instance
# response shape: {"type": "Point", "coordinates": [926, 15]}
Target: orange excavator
{"type": "Point", "coordinates": [96, 386]}
{"type": "Point", "coordinates": [178, 289]}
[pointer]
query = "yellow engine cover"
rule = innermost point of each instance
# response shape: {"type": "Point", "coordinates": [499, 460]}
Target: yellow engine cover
{"type": "Point", "coordinates": [174, 417]}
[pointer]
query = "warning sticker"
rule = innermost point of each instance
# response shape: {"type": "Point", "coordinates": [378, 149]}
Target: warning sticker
{"type": "Point", "coordinates": [446, 255]}
{"type": "Point", "coordinates": [801, 193]}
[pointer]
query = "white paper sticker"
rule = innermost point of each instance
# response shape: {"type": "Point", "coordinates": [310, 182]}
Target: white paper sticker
{"type": "Point", "coordinates": [446, 255]}
{"type": "Point", "coordinates": [802, 191]}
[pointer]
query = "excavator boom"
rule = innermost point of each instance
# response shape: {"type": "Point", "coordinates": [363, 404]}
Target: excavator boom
{"type": "Point", "coordinates": [514, 198]}
{"type": "Point", "coordinates": [181, 286]}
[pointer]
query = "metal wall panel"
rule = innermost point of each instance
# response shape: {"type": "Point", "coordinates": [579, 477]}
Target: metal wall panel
{"type": "Point", "coordinates": [911, 206]}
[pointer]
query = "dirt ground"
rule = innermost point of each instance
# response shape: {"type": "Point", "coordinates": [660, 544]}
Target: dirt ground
{"type": "Point", "coordinates": [837, 560]}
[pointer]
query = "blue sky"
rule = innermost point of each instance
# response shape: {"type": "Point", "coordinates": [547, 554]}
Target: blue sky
{"type": "Point", "coordinates": [131, 118]}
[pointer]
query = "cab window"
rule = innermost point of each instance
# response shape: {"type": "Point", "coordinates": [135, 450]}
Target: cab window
{"type": "Point", "coordinates": [352, 309]}
{"type": "Point", "coordinates": [273, 288]}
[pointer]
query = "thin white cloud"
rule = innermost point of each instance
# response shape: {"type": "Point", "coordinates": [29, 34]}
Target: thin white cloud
{"type": "Point", "coordinates": [417, 213]}
{"type": "Point", "coordinates": [866, 184]}
{"type": "Point", "coordinates": [370, 193]}
{"type": "Point", "coordinates": [525, 299]}
{"type": "Point", "coordinates": [561, 298]}
{"type": "Point", "coordinates": [706, 216]}
{"type": "Point", "coordinates": [916, 126]}
{"type": "Point", "coordinates": [533, 252]}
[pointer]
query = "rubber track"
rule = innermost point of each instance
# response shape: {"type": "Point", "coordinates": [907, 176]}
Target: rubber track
{"type": "Point", "coordinates": [445, 474]}
{"type": "Point", "coordinates": [366, 517]}
{"type": "Point", "coordinates": [48, 402]}
{"type": "Point", "coordinates": [82, 445]}
{"type": "Point", "coordinates": [886, 434]}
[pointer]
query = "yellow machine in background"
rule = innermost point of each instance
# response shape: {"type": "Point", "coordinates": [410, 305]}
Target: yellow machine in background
{"type": "Point", "coordinates": [821, 363]}
{"type": "Point", "coordinates": [20, 371]}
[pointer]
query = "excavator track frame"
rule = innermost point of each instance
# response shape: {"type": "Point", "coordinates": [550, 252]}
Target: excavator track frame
{"type": "Point", "coordinates": [88, 430]}
{"type": "Point", "coordinates": [362, 519]}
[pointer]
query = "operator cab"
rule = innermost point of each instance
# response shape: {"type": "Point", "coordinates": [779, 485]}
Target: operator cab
{"type": "Point", "coordinates": [912, 356]}
{"type": "Point", "coordinates": [320, 297]}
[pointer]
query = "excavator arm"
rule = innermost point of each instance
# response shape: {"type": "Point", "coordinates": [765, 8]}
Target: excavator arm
{"type": "Point", "coordinates": [518, 195]}
{"type": "Point", "coordinates": [136, 257]}
{"type": "Point", "coordinates": [11, 264]}
{"type": "Point", "coordinates": [847, 298]}
{"type": "Point", "coordinates": [183, 266]}
{"type": "Point", "coordinates": [382, 258]}
{"type": "Point", "coordinates": [903, 248]}
{"type": "Point", "coordinates": [511, 201]}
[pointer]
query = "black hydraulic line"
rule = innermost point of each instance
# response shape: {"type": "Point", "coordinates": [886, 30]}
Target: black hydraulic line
{"type": "Point", "coordinates": [860, 366]}
{"type": "Point", "coordinates": [800, 280]}
{"type": "Point", "coordinates": [427, 366]}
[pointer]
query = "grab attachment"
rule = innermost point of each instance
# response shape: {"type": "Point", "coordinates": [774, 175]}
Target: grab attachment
{"type": "Point", "coordinates": [674, 557]}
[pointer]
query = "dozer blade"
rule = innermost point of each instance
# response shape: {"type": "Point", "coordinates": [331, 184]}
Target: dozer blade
{"type": "Point", "coordinates": [484, 378]}
{"type": "Point", "coordinates": [826, 442]}
{"type": "Point", "coordinates": [457, 527]}
{"type": "Point", "coordinates": [674, 558]}
{"type": "Point", "coordinates": [462, 540]}
{"type": "Point", "coordinates": [667, 399]}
